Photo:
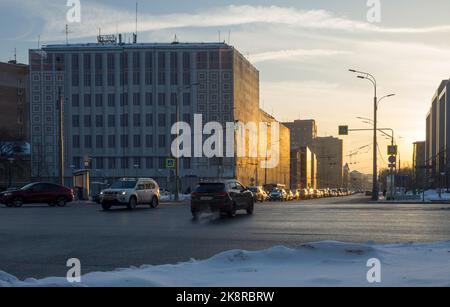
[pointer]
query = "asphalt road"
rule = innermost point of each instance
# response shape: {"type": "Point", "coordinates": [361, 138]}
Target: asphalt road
{"type": "Point", "coordinates": [36, 241]}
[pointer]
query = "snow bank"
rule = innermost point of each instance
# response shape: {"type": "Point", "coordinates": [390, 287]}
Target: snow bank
{"type": "Point", "coordinates": [168, 197]}
{"type": "Point", "coordinates": [316, 264]}
{"type": "Point", "coordinates": [433, 195]}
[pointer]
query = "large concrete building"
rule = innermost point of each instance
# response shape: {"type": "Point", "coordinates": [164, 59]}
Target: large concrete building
{"type": "Point", "coordinates": [438, 137]}
{"type": "Point", "coordinates": [120, 104]}
{"type": "Point", "coordinates": [14, 147]}
{"type": "Point", "coordinates": [329, 152]}
{"type": "Point", "coordinates": [419, 164]}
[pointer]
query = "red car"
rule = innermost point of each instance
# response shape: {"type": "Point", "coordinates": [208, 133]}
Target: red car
{"type": "Point", "coordinates": [34, 193]}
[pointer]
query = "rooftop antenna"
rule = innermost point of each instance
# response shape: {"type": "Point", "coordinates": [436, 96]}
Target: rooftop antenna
{"type": "Point", "coordinates": [136, 32]}
{"type": "Point", "coordinates": [39, 42]}
{"type": "Point", "coordinates": [15, 55]}
{"type": "Point", "coordinates": [67, 31]}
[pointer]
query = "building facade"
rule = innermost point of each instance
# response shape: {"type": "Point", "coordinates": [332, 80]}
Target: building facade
{"type": "Point", "coordinates": [437, 143]}
{"type": "Point", "coordinates": [120, 103]}
{"type": "Point", "coordinates": [329, 152]}
{"type": "Point", "coordinates": [14, 146]}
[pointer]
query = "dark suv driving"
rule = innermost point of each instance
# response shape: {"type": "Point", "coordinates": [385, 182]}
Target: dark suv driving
{"type": "Point", "coordinates": [37, 193]}
{"type": "Point", "coordinates": [226, 196]}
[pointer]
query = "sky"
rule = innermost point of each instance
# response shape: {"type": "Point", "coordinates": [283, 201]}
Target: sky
{"type": "Point", "coordinates": [303, 50]}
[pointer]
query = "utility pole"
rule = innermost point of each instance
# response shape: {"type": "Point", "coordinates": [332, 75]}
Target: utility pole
{"type": "Point", "coordinates": [61, 136]}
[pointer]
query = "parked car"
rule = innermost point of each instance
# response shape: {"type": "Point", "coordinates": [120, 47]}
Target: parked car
{"type": "Point", "coordinates": [290, 195]}
{"type": "Point", "coordinates": [278, 195]}
{"type": "Point", "coordinates": [226, 196]}
{"type": "Point", "coordinates": [297, 194]}
{"type": "Point", "coordinates": [131, 193]}
{"type": "Point", "coordinates": [38, 193]}
{"type": "Point", "coordinates": [304, 194]}
{"type": "Point", "coordinates": [258, 194]}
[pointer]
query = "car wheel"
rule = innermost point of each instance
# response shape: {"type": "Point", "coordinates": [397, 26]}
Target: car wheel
{"type": "Point", "coordinates": [17, 202]}
{"type": "Point", "coordinates": [155, 202]}
{"type": "Point", "coordinates": [61, 201]}
{"type": "Point", "coordinates": [250, 208]}
{"type": "Point", "coordinates": [232, 212]}
{"type": "Point", "coordinates": [106, 207]}
{"type": "Point", "coordinates": [132, 204]}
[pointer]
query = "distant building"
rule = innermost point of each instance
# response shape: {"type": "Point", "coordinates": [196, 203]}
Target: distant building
{"type": "Point", "coordinates": [346, 177]}
{"type": "Point", "coordinates": [308, 167]}
{"type": "Point", "coordinates": [438, 137]}
{"type": "Point", "coordinates": [14, 137]}
{"type": "Point", "coordinates": [329, 151]}
{"type": "Point", "coordinates": [120, 104]}
{"type": "Point", "coordinates": [359, 181]}
{"type": "Point", "coordinates": [303, 133]}
{"type": "Point", "coordinates": [419, 164]}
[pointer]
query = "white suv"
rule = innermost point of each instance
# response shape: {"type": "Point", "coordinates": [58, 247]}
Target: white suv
{"type": "Point", "coordinates": [131, 193]}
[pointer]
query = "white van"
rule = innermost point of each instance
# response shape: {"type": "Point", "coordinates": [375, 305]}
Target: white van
{"type": "Point", "coordinates": [131, 192]}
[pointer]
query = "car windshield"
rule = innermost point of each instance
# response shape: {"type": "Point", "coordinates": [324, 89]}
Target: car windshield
{"type": "Point", "coordinates": [210, 188]}
{"type": "Point", "coordinates": [124, 184]}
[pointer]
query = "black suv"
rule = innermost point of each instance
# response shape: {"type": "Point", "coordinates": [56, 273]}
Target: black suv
{"type": "Point", "coordinates": [226, 196]}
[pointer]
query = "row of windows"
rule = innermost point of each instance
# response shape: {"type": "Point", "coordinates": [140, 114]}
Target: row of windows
{"type": "Point", "coordinates": [125, 72]}
{"type": "Point", "coordinates": [123, 101]}
{"type": "Point", "coordinates": [124, 140]}
{"type": "Point", "coordinates": [101, 163]}
{"type": "Point", "coordinates": [138, 120]}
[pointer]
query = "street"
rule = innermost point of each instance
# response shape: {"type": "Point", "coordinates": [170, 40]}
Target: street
{"type": "Point", "coordinates": [36, 241]}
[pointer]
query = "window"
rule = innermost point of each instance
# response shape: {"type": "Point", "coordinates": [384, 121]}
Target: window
{"type": "Point", "coordinates": [149, 141]}
{"type": "Point", "coordinates": [99, 141]}
{"type": "Point", "coordinates": [99, 163]}
{"type": "Point", "coordinates": [124, 141]}
{"type": "Point", "coordinates": [148, 68]}
{"type": "Point", "coordinates": [124, 120]}
{"type": "Point", "coordinates": [173, 68]}
{"type": "Point", "coordinates": [98, 70]}
{"type": "Point", "coordinates": [111, 141]}
{"type": "Point", "coordinates": [186, 68]}
{"type": "Point", "coordinates": [75, 100]}
{"type": "Point", "coordinates": [186, 99]}
{"type": "Point", "coordinates": [136, 162]}
{"type": "Point", "coordinates": [88, 141]}
{"type": "Point", "coordinates": [187, 118]}
{"type": "Point", "coordinates": [149, 120]}
{"type": "Point", "coordinates": [87, 121]}
{"type": "Point", "coordinates": [111, 163]}
{"type": "Point", "coordinates": [99, 100]}
{"type": "Point", "coordinates": [124, 163]}
{"type": "Point", "coordinates": [173, 99]}
{"type": "Point", "coordinates": [187, 163]}
{"type": "Point", "coordinates": [76, 141]}
{"type": "Point", "coordinates": [87, 100]}
{"type": "Point", "coordinates": [161, 99]}
{"type": "Point", "coordinates": [75, 121]}
{"type": "Point", "coordinates": [137, 120]}
{"type": "Point", "coordinates": [148, 99]}
{"type": "Point", "coordinates": [111, 120]}
{"type": "Point", "coordinates": [98, 121]}
{"type": "Point", "coordinates": [111, 100]}
{"type": "Point", "coordinates": [76, 161]}
{"type": "Point", "coordinates": [149, 163]}
{"type": "Point", "coordinates": [136, 68]}
{"type": "Point", "coordinates": [161, 68]}
{"type": "Point", "coordinates": [137, 140]}
{"type": "Point", "coordinates": [137, 99]}
{"type": "Point", "coordinates": [161, 120]}
{"type": "Point", "coordinates": [162, 141]}
{"type": "Point", "coordinates": [123, 100]}
{"type": "Point", "coordinates": [111, 69]}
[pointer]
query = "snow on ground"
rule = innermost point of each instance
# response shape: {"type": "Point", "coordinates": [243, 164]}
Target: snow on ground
{"type": "Point", "coordinates": [433, 195]}
{"type": "Point", "coordinates": [316, 264]}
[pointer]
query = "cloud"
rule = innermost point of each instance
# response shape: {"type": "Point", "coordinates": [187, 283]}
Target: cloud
{"type": "Point", "coordinates": [293, 54]}
{"type": "Point", "coordinates": [109, 19]}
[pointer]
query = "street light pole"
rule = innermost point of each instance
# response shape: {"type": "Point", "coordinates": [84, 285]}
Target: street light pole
{"type": "Point", "coordinates": [371, 78]}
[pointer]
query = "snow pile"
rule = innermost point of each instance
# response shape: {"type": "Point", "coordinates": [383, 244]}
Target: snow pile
{"type": "Point", "coordinates": [168, 197]}
{"type": "Point", "coordinates": [433, 195]}
{"type": "Point", "coordinates": [316, 264]}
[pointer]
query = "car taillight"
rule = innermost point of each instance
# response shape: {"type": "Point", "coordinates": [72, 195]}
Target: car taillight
{"type": "Point", "coordinates": [194, 195]}
{"type": "Point", "coordinates": [222, 194]}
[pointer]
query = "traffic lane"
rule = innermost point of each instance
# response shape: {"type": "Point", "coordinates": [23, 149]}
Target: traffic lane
{"type": "Point", "coordinates": [39, 240]}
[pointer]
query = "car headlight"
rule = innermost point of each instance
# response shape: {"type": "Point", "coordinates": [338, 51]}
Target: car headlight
{"type": "Point", "coordinates": [7, 194]}
{"type": "Point", "coordinates": [101, 193]}
{"type": "Point", "coordinates": [124, 193]}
